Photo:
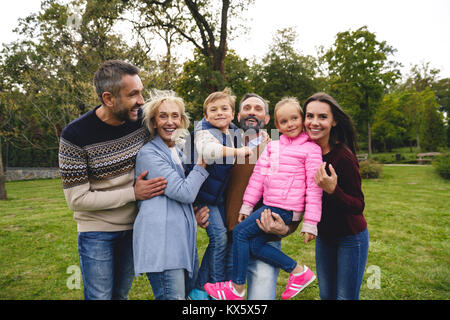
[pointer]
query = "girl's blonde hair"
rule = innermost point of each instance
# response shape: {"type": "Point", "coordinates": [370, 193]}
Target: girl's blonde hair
{"type": "Point", "coordinates": [150, 108]}
{"type": "Point", "coordinates": [282, 102]}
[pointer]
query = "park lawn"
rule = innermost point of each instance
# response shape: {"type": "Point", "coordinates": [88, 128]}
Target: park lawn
{"type": "Point", "coordinates": [407, 211]}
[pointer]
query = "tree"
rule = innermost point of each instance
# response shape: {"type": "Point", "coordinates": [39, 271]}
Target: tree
{"type": "Point", "coordinates": [411, 104]}
{"type": "Point", "coordinates": [389, 125]}
{"type": "Point", "coordinates": [421, 77]}
{"type": "Point", "coordinates": [284, 71]}
{"type": "Point", "coordinates": [192, 86]}
{"type": "Point", "coordinates": [201, 23]}
{"type": "Point", "coordinates": [3, 195]}
{"type": "Point", "coordinates": [422, 93]}
{"type": "Point", "coordinates": [360, 72]}
{"type": "Point", "coordinates": [432, 130]}
{"type": "Point", "coordinates": [442, 91]}
{"type": "Point", "coordinates": [46, 78]}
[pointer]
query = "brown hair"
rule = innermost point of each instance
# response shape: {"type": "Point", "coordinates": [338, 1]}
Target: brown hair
{"type": "Point", "coordinates": [344, 130]}
{"type": "Point", "coordinates": [108, 77]}
{"type": "Point", "coordinates": [226, 93]}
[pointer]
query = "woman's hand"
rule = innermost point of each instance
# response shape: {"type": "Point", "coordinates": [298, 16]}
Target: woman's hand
{"type": "Point", "coordinates": [202, 216]}
{"type": "Point", "coordinates": [266, 137]}
{"type": "Point", "coordinates": [271, 222]}
{"type": "Point", "coordinates": [201, 161]}
{"type": "Point", "coordinates": [308, 236]}
{"type": "Point", "coordinates": [242, 217]}
{"type": "Point", "coordinates": [323, 180]}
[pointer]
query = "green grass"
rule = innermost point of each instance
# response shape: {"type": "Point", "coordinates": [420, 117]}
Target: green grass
{"type": "Point", "coordinates": [407, 211]}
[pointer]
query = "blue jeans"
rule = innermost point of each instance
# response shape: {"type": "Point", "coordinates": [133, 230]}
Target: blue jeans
{"type": "Point", "coordinates": [248, 239]}
{"type": "Point", "coordinates": [106, 261]}
{"type": "Point", "coordinates": [212, 268]}
{"type": "Point", "coordinates": [261, 277]}
{"type": "Point", "coordinates": [340, 265]}
{"type": "Point", "coordinates": [170, 284]}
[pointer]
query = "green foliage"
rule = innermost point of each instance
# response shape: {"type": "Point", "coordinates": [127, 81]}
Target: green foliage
{"type": "Point", "coordinates": [284, 71]}
{"type": "Point", "coordinates": [369, 169]}
{"type": "Point", "coordinates": [46, 79]}
{"type": "Point", "coordinates": [195, 84]}
{"type": "Point", "coordinates": [360, 72]}
{"type": "Point", "coordinates": [389, 124]}
{"type": "Point", "coordinates": [442, 90]}
{"type": "Point", "coordinates": [442, 165]}
{"type": "Point", "coordinates": [402, 155]}
{"type": "Point", "coordinates": [432, 129]}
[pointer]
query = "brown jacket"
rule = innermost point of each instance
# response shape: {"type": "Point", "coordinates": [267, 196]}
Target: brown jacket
{"type": "Point", "coordinates": [240, 175]}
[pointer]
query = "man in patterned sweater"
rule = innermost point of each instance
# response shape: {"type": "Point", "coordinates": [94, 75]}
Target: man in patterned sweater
{"type": "Point", "coordinates": [97, 158]}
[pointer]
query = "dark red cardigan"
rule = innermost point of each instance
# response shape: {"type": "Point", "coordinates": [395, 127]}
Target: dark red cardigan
{"type": "Point", "coordinates": [342, 211]}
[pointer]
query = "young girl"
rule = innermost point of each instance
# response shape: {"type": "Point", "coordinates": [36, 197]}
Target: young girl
{"type": "Point", "coordinates": [284, 176]}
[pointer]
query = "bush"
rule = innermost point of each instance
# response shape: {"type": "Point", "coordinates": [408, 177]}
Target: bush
{"type": "Point", "coordinates": [370, 169]}
{"type": "Point", "coordinates": [442, 165]}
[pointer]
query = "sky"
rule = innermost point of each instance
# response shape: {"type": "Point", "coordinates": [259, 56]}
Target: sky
{"type": "Point", "coordinates": [419, 30]}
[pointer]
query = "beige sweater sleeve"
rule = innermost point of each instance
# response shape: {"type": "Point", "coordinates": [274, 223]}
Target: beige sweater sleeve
{"type": "Point", "coordinates": [208, 146]}
{"type": "Point", "coordinates": [94, 197]}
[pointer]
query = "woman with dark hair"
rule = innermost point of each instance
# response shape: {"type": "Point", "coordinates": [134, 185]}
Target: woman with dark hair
{"type": "Point", "coordinates": [343, 240]}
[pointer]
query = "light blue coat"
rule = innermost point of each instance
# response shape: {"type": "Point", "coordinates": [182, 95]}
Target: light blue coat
{"type": "Point", "coordinates": [165, 230]}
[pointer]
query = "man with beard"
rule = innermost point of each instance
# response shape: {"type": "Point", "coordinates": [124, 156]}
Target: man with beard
{"type": "Point", "coordinates": [97, 156]}
{"type": "Point", "coordinates": [261, 277]}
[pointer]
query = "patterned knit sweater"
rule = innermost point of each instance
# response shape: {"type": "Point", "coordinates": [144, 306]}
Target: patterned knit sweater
{"type": "Point", "coordinates": [96, 163]}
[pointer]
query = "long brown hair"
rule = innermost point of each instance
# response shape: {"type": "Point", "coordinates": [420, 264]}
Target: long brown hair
{"type": "Point", "coordinates": [344, 131]}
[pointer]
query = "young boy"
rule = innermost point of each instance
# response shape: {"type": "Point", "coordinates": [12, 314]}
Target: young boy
{"type": "Point", "coordinates": [218, 141]}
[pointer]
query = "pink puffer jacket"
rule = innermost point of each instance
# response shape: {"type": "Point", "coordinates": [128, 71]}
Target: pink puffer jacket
{"type": "Point", "coordinates": [284, 176]}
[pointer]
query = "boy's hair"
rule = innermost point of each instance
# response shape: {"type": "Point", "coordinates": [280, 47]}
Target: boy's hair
{"type": "Point", "coordinates": [226, 93]}
{"type": "Point", "coordinates": [151, 107]}
{"type": "Point", "coordinates": [282, 102]}
{"type": "Point", "coordinates": [108, 77]}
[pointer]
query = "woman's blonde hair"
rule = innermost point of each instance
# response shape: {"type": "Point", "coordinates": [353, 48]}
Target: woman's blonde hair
{"type": "Point", "coordinates": [282, 102]}
{"type": "Point", "coordinates": [150, 108]}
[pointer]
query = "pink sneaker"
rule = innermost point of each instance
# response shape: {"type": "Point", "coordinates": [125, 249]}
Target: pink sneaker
{"type": "Point", "coordinates": [298, 283]}
{"type": "Point", "coordinates": [222, 291]}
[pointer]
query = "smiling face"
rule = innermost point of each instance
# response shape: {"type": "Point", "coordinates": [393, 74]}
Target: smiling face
{"type": "Point", "coordinates": [129, 100]}
{"type": "Point", "coordinates": [319, 121]}
{"type": "Point", "coordinates": [219, 114]}
{"type": "Point", "coordinates": [289, 120]}
{"type": "Point", "coordinates": [167, 120]}
{"type": "Point", "coordinates": [253, 114]}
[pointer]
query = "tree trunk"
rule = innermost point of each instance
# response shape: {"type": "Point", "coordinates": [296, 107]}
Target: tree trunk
{"type": "Point", "coordinates": [369, 139]}
{"type": "Point", "coordinates": [418, 142]}
{"type": "Point", "coordinates": [2, 177]}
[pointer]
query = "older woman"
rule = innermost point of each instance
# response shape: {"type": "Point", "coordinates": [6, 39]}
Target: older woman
{"type": "Point", "coordinates": [164, 239]}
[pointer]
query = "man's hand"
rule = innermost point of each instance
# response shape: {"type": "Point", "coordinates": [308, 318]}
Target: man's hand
{"type": "Point", "coordinates": [201, 216]}
{"type": "Point", "coordinates": [146, 189]}
{"type": "Point", "coordinates": [271, 222]}
{"type": "Point", "coordinates": [323, 180]}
